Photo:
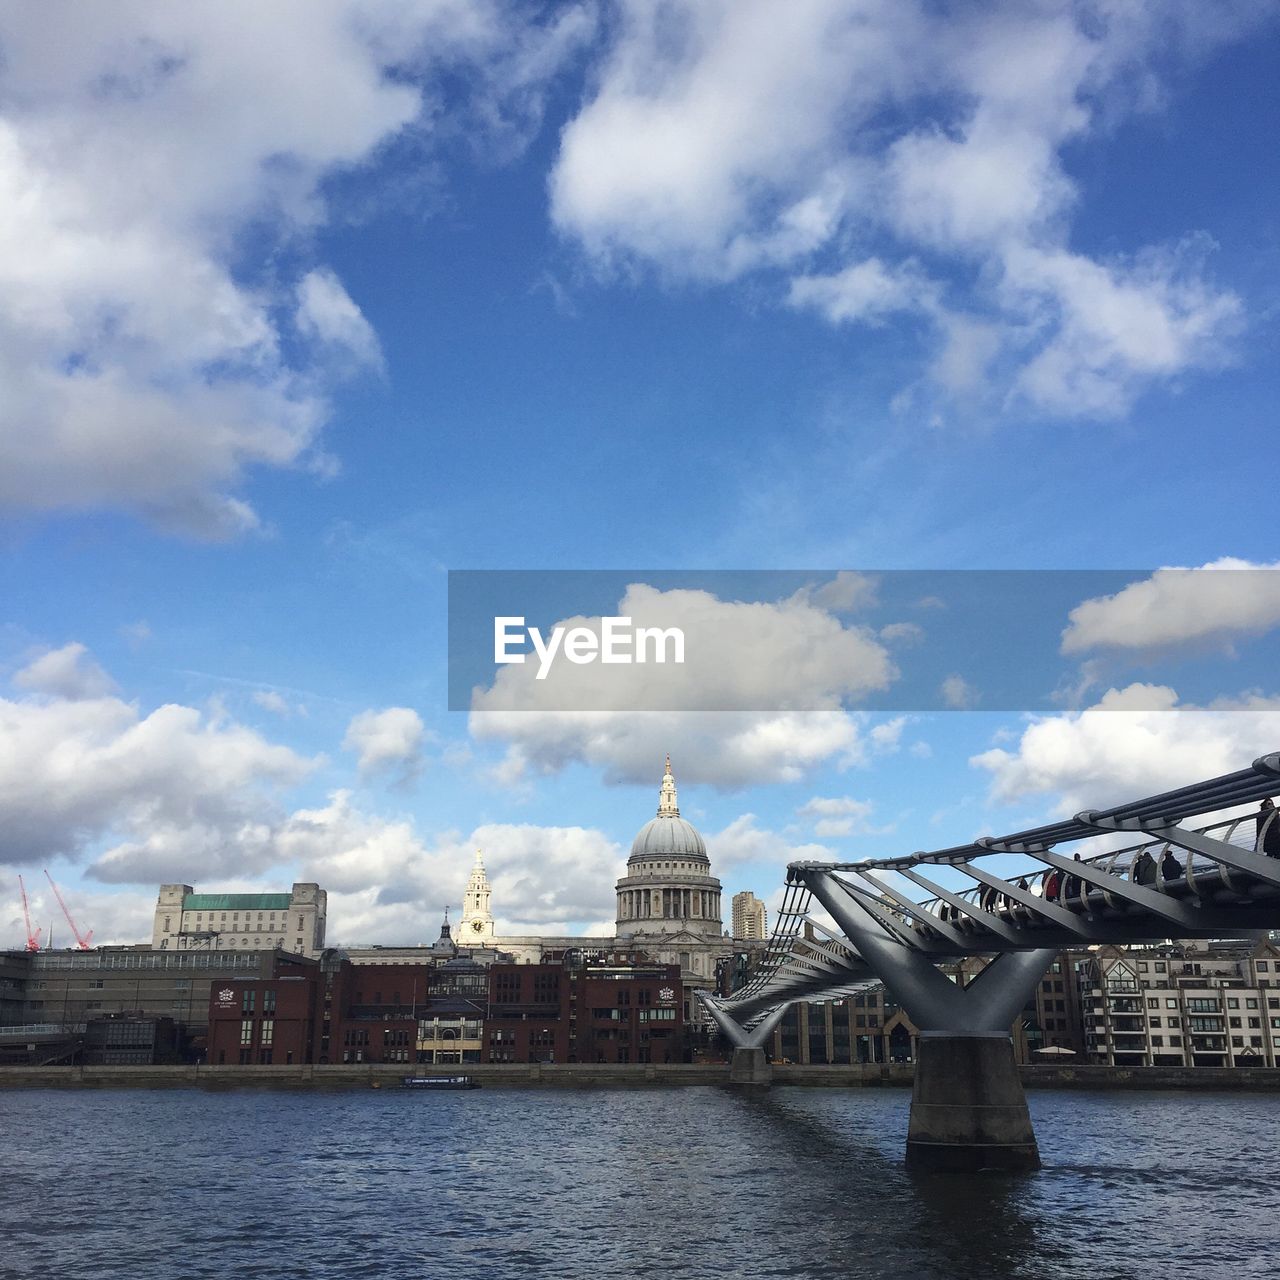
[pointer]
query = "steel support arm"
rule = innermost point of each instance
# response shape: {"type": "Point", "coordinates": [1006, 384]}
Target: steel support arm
{"type": "Point", "coordinates": [739, 1036]}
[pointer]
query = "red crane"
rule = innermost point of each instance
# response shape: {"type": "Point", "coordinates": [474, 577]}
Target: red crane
{"type": "Point", "coordinates": [33, 939]}
{"type": "Point", "coordinates": [81, 942]}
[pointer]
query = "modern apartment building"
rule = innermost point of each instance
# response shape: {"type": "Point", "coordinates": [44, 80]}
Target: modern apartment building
{"type": "Point", "coordinates": [750, 920]}
{"type": "Point", "coordinates": [1200, 1004]}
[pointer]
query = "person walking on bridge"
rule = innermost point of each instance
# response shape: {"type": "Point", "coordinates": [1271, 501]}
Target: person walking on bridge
{"type": "Point", "coordinates": [1170, 867]}
{"type": "Point", "coordinates": [1145, 870]}
{"type": "Point", "coordinates": [1071, 890]}
{"type": "Point", "coordinates": [1268, 820]}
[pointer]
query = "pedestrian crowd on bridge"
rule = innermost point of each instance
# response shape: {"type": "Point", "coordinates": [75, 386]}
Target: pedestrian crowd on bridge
{"type": "Point", "coordinates": [1066, 888]}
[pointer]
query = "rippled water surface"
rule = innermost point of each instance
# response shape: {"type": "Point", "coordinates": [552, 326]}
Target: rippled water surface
{"type": "Point", "coordinates": [697, 1182]}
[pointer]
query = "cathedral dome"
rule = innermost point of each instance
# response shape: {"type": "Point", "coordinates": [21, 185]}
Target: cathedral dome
{"type": "Point", "coordinates": [668, 835]}
{"type": "Point", "coordinates": [668, 889]}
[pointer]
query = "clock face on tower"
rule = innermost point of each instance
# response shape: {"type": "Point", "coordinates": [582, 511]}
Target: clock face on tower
{"type": "Point", "coordinates": [478, 925]}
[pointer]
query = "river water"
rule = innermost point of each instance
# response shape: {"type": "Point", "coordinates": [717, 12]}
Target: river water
{"type": "Point", "coordinates": [603, 1183]}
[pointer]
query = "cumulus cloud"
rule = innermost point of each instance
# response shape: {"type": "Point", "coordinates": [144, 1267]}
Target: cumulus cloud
{"type": "Point", "coordinates": [121, 917]}
{"type": "Point", "coordinates": [271, 700]}
{"type": "Point", "coordinates": [326, 313]}
{"type": "Point", "coordinates": [958, 694]}
{"type": "Point", "coordinates": [1134, 741]}
{"type": "Point", "coordinates": [164, 792]}
{"type": "Point", "coordinates": [389, 741]}
{"type": "Point", "coordinates": [743, 843]}
{"type": "Point", "coordinates": [159, 172]}
{"type": "Point", "coordinates": [717, 142]}
{"type": "Point", "coordinates": [387, 883]}
{"type": "Point", "coordinates": [182, 795]}
{"type": "Point", "coordinates": [1221, 600]}
{"type": "Point", "coordinates": [837, 815]}
{"type": "Point", "coordinates": [760, 696]}
{"type": "Point", "coordinates": [68, 672]}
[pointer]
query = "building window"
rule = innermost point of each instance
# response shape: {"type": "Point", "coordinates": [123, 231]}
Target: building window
{"type": "Point", "coordinates": [246, 1000]}
{"type": "Point", "coordinates": [268, 1002]}
{"type": "Point", "coordinates": [246, 1031]}
{"type": "Point", "coordinates": [268, 1031]}
{"type": "Point", "coordinates": [1232, 1002]}
{"type": "Point", "coordinates": [1170, 1004]}
{"type": "Point", "coordinates": [1251, 1003]}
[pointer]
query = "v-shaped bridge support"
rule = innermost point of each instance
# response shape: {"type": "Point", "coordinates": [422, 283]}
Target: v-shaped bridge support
{"type": "Point", "coordinates": [968, 1110]}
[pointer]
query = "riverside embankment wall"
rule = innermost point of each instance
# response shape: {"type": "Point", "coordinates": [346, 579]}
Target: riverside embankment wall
{"type": "Point", "coordinates": [581, 1074]}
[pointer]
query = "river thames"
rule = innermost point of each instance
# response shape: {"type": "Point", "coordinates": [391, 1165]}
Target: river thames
{"type": "Point", "coordinates": [602, 1183]}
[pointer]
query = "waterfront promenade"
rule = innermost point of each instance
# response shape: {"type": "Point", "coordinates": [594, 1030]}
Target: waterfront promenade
{"type": "Point", "coordinates": [583, 1075]}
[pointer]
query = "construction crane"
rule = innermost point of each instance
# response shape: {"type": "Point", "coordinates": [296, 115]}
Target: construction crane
{"type": "Point", "coordinates": [33, 938]}
{"type": "Point", "coordinates": [81, 942]}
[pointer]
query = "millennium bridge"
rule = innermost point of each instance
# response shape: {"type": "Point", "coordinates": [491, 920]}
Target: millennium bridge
{"type": "Point", "coordinates": [1020, 902]}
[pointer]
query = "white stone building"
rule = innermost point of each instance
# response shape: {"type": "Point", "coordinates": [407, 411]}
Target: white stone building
{"type": "Point", "coordinates": [293, 921]}
{"type": "Point", "coordinates": [476, 928]}
{"type": "Point", "coordinates": [668, 906]}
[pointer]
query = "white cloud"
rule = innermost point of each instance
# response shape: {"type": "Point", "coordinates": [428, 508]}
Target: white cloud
{"type": "Point", "coordinates": [121, 917]}
{"type": "Point", "coordinates": [746, 665]}
{"type": "Point", "coordinates": [887, 735]}
{"type": "Point", "coordinates": [163, 792]}
{"type": "Point", "coordinates": [845, 593]}
{"type": "Point", "coordinates": [865, 137]}
{"type": "Point", "coordinates": [1217, 601]}
{"type": "Point", "coordinates": [904, 633]}
{"type": "Point", "coordinates": [385, 741]}
{"type": "Point", "coordinates": [387, 883]}
{"type": "Point", "coordinates": [136, 633]}
{"type": "Point", "coordinates": [1135, 741]}
{"type": "Point", "coordinates": [68, 672]}
{"type": "Point", "coordinates": [723, 749]}
{"type": "Point", "coordinates": [837, 816]}
{"type": "Point", "coordinates": [958, 694]}
{"type": "Point", "coordinates": [154, 163]}
{"type": "Point", "coordinates": [712, 141]}
{"type": "Point", "coordinates": [327, 314]}
{"type": "Point", "coordinates": [743, 843]}
{"type": "Point", "coordinates": [868, 292]}
{"type": "Point", "coordinates": [271, 700]}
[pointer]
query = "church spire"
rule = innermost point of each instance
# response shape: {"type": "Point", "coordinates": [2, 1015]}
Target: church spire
{"type": "Point", "coordinates": [667, 805]}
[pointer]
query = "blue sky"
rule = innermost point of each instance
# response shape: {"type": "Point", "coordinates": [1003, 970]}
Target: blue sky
{"type": "Point", "coordinates": [295, 325]}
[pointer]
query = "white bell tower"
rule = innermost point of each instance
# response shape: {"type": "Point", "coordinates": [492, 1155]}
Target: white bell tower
{"type": "Point", "coordinates": [476, 928]}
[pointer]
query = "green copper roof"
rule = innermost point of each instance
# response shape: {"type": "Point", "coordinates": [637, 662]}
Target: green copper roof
{"type": "Point", "coordinates": [237, 901]}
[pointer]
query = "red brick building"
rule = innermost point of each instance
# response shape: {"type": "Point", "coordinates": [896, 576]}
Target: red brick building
{"type": "Point", "coordinates": [612, 1008]}
{"type": "Point", "coordinates": [334, 1011]}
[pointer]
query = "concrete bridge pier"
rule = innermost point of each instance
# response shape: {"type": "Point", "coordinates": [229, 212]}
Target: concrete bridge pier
{"type": "Point", "coordinates": [968, 1110]}
{"type": "Point", "coordinates": [750, 1066]}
